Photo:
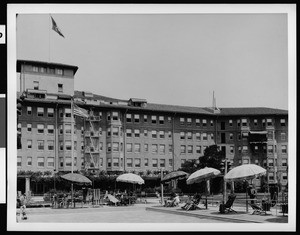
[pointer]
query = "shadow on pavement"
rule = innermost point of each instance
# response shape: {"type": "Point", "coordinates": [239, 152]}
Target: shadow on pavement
{"type": "Point", "coordinates": [283, 219]}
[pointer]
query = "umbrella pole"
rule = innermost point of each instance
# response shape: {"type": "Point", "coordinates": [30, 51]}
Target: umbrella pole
{"type": "Point", "coordinates": [162, 187]}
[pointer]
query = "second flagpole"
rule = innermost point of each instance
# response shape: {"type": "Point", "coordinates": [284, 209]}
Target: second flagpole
{"type": "Point", "coordinates": [72, 145]}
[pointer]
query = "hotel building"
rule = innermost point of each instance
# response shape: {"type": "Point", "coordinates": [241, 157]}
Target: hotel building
{"type": "Point", "coordinates": [134, 135]}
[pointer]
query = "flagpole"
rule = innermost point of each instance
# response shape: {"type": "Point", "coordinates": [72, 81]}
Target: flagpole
{"type": "Point", "coordinates": [72, 144]}
{"type": "Point", "coordinates": [49, 37]}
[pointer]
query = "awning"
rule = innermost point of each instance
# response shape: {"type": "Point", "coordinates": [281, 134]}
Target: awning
{"type": "Point", "coordinates": [258, 132]}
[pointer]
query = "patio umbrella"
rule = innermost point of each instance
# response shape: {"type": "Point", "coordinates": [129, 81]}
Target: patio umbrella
{"type": "Point", "coordinates": [76, 178]}
{"type": "Point", "coordinates": [246, 171]}
{"type": "Point", "coordinates": [202, 174]}
{"type": "Point", "coordinates": [130, 178]}
{"type": "Point", "coordinates": [174, 175]}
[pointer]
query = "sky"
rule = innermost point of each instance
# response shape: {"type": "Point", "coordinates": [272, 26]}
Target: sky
{"type": "Point", "coordinates": [175, 59]}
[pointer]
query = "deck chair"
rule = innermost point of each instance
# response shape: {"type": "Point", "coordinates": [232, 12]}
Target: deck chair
{"type": "Point", "coordinates": [113, 200]}
{"type": "Point", "coordinates": [227, 207]}
{"type": "Point", "coordinates": [193, 204]}
{"type": "Point", "coordinates": [257, 210]}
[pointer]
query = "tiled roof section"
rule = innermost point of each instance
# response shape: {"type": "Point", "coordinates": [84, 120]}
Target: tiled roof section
{"type": "Point", "coordinates": [36, 62]}
{"type": "Point", "coordinates": [138, 100]}
{"type": "Point", "coordinates": [80, 94]}
{"type": "Point", "coordinates": [175, 109]}
{"type": "Point", "coordinates": [252, 111]}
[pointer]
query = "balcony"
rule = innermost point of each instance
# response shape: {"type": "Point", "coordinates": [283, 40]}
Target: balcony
{"type": "Point", "coordinates": [90, 149]}
{"type": "Point", "coordinates": [94, 134]}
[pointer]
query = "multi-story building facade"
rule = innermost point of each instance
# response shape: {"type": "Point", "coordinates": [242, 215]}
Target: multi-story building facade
{"type": "Point", "coordinates": [134, 135]}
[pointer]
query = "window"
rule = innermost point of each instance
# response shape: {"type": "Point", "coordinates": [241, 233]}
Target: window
{"type": "Point", "coordinates": [256, 161]}
{"type": "Point", "coordinates": [161, 120]}
{"type": "Point", "coordinates": [182, 135]}
{"type": "Point", "coordinates": [50, 162]}
{"type": "Point", "coordinates": [162, 162]}
{"type": "Point", "coordinates": [129, 147]}
{"type": "Point", "coordinates": [61, 162]}
{"type": "Point", "coordinates": [230, 122]}
{"type": "Point", "coordinates": [169, 134]}
{"type": "Point", "coordinates": [197, 122]}
{"type": "Point", "coordinates": [161, 134]}
{"type": "Point", "coordinates": [255, 122]}
{"type": "Point", "coordinates": [50, 112]}
{"type": "Point", "coordinates": [146, 133]}
{"type": "Point", "coordinates": [284, 149]}
{"type": "Point", "coordinates": [189, 121]}
{"type": "Point", "coordinates": [269, 122]}
{"type": "Point", "coordinates": [170, 162]}
{"type": "Point", "coordinates": [40, 144]}
{"type": "Point", "coordinates": [211, 122]}
{"type": "Point", "coordinates": [108, 116]}
{"type": "Point", "coordinates": [283, 136]}
{"type": "Point", "coordinates": [68, 145]}
{"type": "Point", "coordinates": [204, 122]}
{"type": "Point", "coordinates": [115, 162]}
{"type": "Point", "coordinates": [145, 118]}
{"type": "Point", "coordinates": [162, 149]}
{"type": "Point", "coordinates": [115, 131]}
{"type": "Point", "coordinates": [282, 122]}
{"type": "Point", "coordinates": [128, 132]}
{"type": "Point", "coordinates": [68, 161]}
{"type": "Point", "coordinates": [231, 136]}
{"type": "Point", "coordinates": [244, 122]}
{"type": "Point", "coordinates": [108, 147]}
{"type": "Point", "coordinates": [154, 134]}
{"type": "Point", "coordinates": [211, 136]}
{"type": "Point", "coordinates": [137, 162]}
{"type": "Point", "coordinates": [146, 147]}
{"type": "Point", "coordinates": [29, 127]}
{"type": "Point", "coordinates": [50, 144]}
{"type": "Point", "coordinates": [128, 117]}
{"type": "Point", "coordinates": [40, 162]}
{"type": "Point", "coordinates": [137, 133]}
{"type": "Point", "coordinates": [255, 148]}
{"type": "Point", "coordinates": [68, 128]}
{"type": "Point", "coordinates": [35, 85]}
{"type": "Point", "coordinates": [190, 149]}
{"type": "Point", "coordinates": [146, 162]}
{"type": "Point", "coordinates": [136, 118]}
{"type": "Point", "coordinates": [231, 149]}
{"type": "Point", "coordinates": [170, 148]}
{"type": "Point", "coordinates": [240, 149]}
{"type": "Point", "coordinates": [198, 149]}
{"type": "Point", "coordinates": [246, 161]}
{"type": "Point", "coordinates": [245, 149]}
{"type": "Point", "coordinates": [154, 148]}
{"type": "Point", "coordinates": [181, 120]}
{"type": "Point", "coordinates": [270, 162]}
{"type": "Point", "coordinates": [59, 71]}
{"type": "Point", "coordinates": [182, 149]}
{"type": "Point", "coordinates": [183, 162]}
{"type": "Point", "coordinates": [67, 112]}
{"type": "Point", "coordinates": [264, 122]}
{"type": "Point", "coordinates": [19, 161]}
{"type": "Point", "coordinates": [154, 163]}
{"type": "Point", "coordinates": [115, 146]}
{"type": "Point", "coordinates": [100, 162]}
{"type": "Point", "coordinates": [270, 148]}
{"type": "Point", "coordinates": [29, 110]}
{"type": "Point", "coordinates": [29, 161]}
{"type": "Point", "coordinates": [284, 176]}
{"type": "Point", "coordinates": [129, 162]}
{"type": "Point", "coordinates": [284, 162]}
{"type": "Point", "coordinates": [198, 136]}
{"type": "Point", "coordinates": [61, 113]}
{"type": "Point", "coordinates": [169, 119]}
{"type": "Point", "coordinates": [100, 146]}
{"type": "Point", "coordinates": [61, 145]}
{"type": "Point", "coordinates": [115, 116]}
{"type": "Point", "coordinates": [50, 129]}
{"type": "Point", "coordinates": [40, 111]}
{"type": "Point", "coordinates": [60, 88]}
{"type": "Point", "coordinates": [137, 148]}
{"type": "Point", "coordinates": [153, 119]}
{"type": "Point", "coordinates": [204, 136]}
{"type": "Point", "coordinates": [238, 122]}
{"type": "Point", "coordinates": [109, 162]}
{"type": "Point", "coordinates": [189, 135]}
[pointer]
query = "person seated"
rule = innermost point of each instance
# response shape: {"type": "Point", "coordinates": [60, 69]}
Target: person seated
{"type": "Point", "coordinates": [173, 201]}
{"type": "Point", "coordinates": [193, 203]}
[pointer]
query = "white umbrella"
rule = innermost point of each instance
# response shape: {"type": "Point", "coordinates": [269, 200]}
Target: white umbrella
{"type": "Point", "coordinates": [130, 178]}
{"type": "Point", "coordinates": [202, 174]}
{"type": "Point", "coordinates": [246, 171]}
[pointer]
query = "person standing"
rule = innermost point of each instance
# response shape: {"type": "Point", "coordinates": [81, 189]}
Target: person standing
{"type": "Point", "coordinates": [23, 206]}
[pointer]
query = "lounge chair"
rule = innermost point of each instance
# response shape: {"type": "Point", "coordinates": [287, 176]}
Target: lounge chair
{"type": "Point", "coordinates": [193, 204]}
{"type": "Point", "coordinates": [113, 200]}
{"type": "Point", "coordinates": [227, 207]}
{"type": "Point", "coordinates": [257, 210]}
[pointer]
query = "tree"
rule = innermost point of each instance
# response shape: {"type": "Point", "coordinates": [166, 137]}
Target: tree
{"type": "Point", "coordinates": [213, 157]}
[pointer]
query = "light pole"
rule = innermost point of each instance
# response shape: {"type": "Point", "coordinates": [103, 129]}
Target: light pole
{"type": "Point", "coordinates": [54, 177]}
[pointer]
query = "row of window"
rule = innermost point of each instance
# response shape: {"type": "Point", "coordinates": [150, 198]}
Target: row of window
{"type": "Point", "coordinates": [136, 118]}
